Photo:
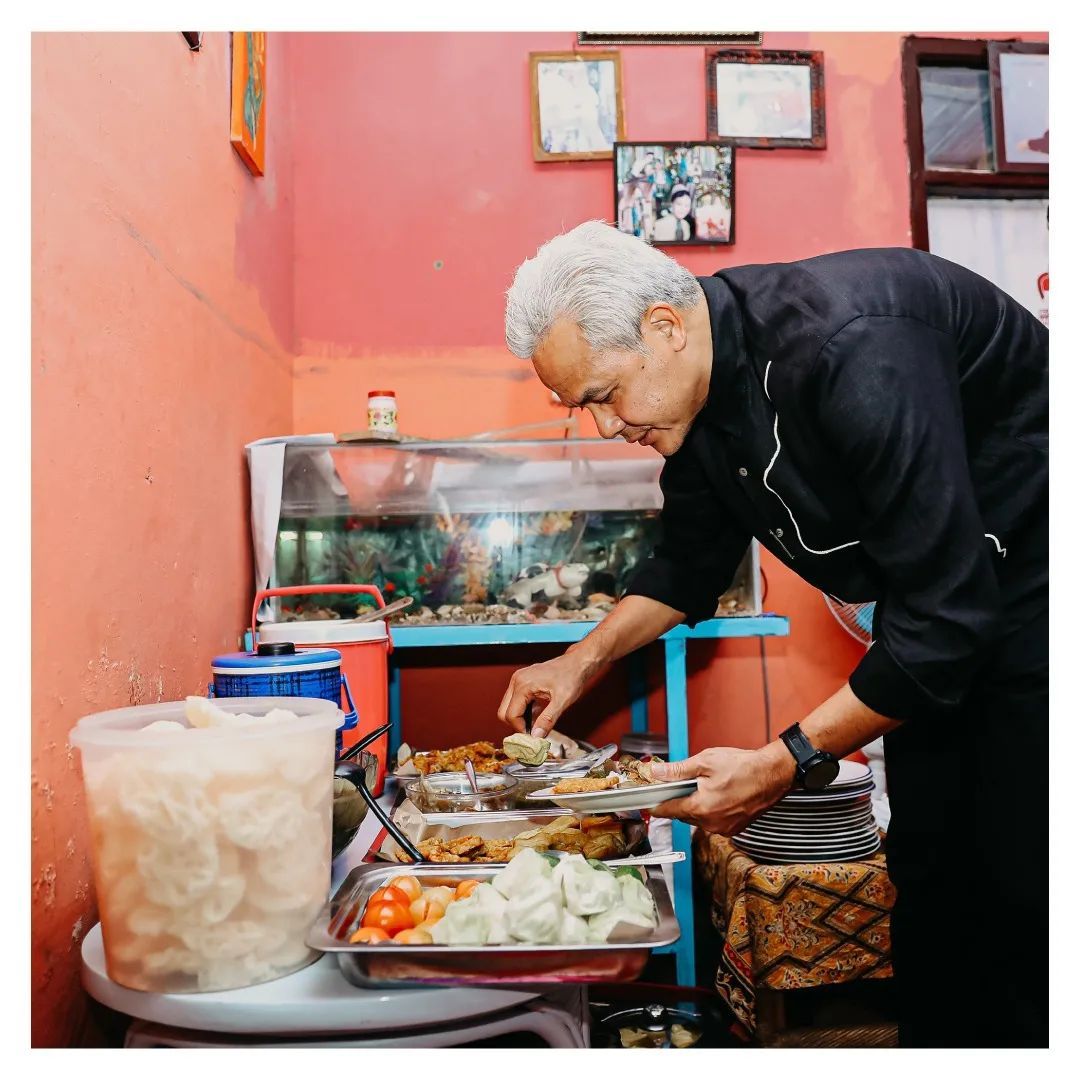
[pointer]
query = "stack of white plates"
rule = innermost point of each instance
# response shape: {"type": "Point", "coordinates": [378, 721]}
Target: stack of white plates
{"type": "Point", "coordinates": [833, 825]}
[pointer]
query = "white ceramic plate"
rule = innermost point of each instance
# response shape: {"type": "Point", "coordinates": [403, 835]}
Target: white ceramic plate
{"type": "Point", "coordinates": [765, 832]}
{"type": "Point", "coordinates": [629, 797]}
{"type": "Point", "coordinates": [868, 836]}
{"type": "Point", "coordinates": [868, 828]}
{"type": "Point", "coordinates": [832, 856]}
{"type": "Point", "coordinates": [824, 798]}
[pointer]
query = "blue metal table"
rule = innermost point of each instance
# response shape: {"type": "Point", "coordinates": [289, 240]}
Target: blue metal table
{"type": "Point", "coordinates": [427, 637]}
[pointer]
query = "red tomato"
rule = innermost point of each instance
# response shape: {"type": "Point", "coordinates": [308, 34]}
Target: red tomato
{"type": "Point", "coordinates": [391, 894]}
{"type": "Point", "coordinates": [387, 915]}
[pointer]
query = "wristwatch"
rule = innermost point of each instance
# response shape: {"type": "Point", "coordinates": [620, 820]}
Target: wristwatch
{"type": "Point", "coordinates": [814, 769]}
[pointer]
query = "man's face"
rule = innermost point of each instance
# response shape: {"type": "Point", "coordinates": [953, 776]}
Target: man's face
{"type": "Point", "coordinates": [649, 398]}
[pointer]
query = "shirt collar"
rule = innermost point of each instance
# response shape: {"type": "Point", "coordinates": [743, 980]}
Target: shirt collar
{"type": "Point", "coordinates": [727, 383]}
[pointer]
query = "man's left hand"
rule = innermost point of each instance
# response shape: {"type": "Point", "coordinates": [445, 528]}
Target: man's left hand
{"type": "Point", "coordinates": [734, 786]}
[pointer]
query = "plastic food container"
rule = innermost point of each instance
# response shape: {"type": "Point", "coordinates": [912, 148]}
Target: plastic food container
{"type": "Point", "coordinates": [211, 846]}
{"type": "Point", "coordinates": [448, 793]}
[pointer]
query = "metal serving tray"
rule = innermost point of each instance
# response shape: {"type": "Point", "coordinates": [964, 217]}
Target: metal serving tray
{"type": "Point", "coordinates": [620, 958]}
{"type": "Point", "coordinates": [493, 825]}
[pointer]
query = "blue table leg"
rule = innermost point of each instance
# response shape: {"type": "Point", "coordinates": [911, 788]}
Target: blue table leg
{"type": "Point", "coordinates": [394, 704]}
{"type": "Point", "coordinates": [639, 690]}
{"type": "Point", "coordinates": [678, 748]}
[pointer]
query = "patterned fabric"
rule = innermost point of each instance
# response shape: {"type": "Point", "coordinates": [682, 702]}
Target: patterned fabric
{"type": "Point", "coordinates": [790, 927]}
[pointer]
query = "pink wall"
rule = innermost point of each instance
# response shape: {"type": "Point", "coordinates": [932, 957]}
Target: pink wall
{"type": "Point", "coordinates": [161, 343]}
{"type": "Point", "coordinates": [413, 150]}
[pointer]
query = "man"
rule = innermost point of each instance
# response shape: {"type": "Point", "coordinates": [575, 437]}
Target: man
{"type": "Point", "coordinates": [878, 420]}
{"type": "Point", "coordinates": [679, 224]}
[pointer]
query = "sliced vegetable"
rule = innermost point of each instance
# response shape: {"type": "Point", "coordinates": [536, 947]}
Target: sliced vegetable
{"type": "Point", "coordinates": [413, 937]}
{"type": "Point", "coordinates": [465, 888]}
{"type": "Point", "coordinates": [442, 893]}
{"type": "Point", "coordinates": [389, 916]}
{"type": "Point", "coordinates": [394, 895]}
{"type": "Point", "coordinates": [408, 884]}
{"type": "Point", "coordinates": [369, 935]}
{"type": "Point", "coordinates": [427, 908]}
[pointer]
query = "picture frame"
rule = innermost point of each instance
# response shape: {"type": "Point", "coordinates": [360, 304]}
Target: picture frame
{"type": "Point", "coordinates": [577, 105]}
{"type": "Point", "coordinates": [766, 99]}
{"type": "Point", "coordinates": [247, 131]}
{"type": "Point", "coordinates": [705, 37]}
{"type": "Point", "coordinates": [677, 194]}
{"type": "Point", "coordinates": [1020, 105]}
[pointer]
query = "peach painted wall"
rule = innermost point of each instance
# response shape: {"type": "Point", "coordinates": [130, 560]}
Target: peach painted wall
{"type": "Point", "coordinates": [161, 343]}
{"type": "Point", "coordinates": [417, 196]}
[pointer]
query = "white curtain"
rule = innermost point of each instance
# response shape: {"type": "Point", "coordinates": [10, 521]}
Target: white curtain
{"type": "Point", "coordinates": [1004, 240]}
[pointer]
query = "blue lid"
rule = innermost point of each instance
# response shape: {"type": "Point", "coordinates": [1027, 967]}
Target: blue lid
{"type": "Point", "coordinates": [301, 659]}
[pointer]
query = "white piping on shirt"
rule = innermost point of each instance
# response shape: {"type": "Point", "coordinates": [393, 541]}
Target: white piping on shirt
{"type": "Point", "coordinates": [997, 543]}
{"type": "Point", "coordinates": [765, 481]}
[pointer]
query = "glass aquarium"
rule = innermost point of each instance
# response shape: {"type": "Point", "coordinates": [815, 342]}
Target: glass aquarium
{"type": "Point", "coordinates": [475, 532]}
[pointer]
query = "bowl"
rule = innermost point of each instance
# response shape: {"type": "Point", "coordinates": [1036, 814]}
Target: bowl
{"type": "Point", "coordinates": [350, 807]}
{"type": "Point", "coordinates": [450, 793]}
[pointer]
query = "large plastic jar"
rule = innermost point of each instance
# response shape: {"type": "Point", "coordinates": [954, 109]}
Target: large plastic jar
{"type": "Point", "coordinates": [211, 845]}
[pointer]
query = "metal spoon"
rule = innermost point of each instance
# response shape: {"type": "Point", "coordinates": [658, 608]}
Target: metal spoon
{"type": "Point", "coordinates": [470, 772]}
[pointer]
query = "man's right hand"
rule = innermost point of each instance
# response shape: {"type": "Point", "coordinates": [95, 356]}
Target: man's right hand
{"type": "Point", "coordinates": [557, 683]}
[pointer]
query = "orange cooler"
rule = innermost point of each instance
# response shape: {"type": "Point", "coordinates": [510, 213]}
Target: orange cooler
{"type": "Point", "coordinates": [364, 648]}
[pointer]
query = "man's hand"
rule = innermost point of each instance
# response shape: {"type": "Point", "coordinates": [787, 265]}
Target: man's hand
{"type": "Point", "coordinates": [734, 786]}
{"type": "Point", "coordinates": [558, 683]}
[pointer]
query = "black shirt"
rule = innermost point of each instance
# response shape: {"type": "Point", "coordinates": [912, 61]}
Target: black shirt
{"type": "Point", "coordinates": [878, 420]}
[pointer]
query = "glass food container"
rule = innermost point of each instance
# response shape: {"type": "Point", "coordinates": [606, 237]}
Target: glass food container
{"type": "Point", "coordinates": [475, 531]}
{"type": "Point", "coordinates": [451, 793]}
{"type": "Point", "coordinates": [211, 845]}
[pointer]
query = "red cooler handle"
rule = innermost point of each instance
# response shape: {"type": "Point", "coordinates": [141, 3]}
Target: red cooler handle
{"type": "Point", "coordinates": [309, 590]}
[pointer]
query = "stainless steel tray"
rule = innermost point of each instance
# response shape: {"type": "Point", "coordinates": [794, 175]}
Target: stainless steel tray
{"type": "Point", "coordinates": [619, 959]}
{"type": "Point", "coordinates": [493, 825]}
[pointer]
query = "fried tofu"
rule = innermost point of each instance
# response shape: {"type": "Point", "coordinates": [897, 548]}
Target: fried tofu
{"type": "Point", "coordinates": [586, 783]}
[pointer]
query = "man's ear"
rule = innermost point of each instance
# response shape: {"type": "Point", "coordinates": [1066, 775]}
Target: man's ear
{"type": "Point", "coordinates": [665, 323]}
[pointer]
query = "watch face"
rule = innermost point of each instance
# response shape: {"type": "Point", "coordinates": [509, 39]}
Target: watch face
{"type": "Point", "coordinates": [821, 773]}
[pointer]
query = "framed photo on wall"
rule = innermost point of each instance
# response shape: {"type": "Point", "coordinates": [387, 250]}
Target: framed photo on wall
{"type": "Point", "coordinates": [677, 193]}
{"type": "Point", "coordinates": [1020, 103]}
{"type": "Point", "coordinates": [248, 114]}
{"type": "Point", "coordinates": [766, 99]}
{"type": "Point", "coordinates": [576, 105]}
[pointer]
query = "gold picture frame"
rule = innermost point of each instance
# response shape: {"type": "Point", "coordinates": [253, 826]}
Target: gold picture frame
{"type": "Point", "coordinates": [577, 105]}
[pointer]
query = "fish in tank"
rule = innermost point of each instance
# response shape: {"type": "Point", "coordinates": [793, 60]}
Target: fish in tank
{"type": "Point", "coordinates": [477, 568]}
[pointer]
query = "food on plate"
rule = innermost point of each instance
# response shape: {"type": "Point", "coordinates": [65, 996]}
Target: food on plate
{"type": "Point", "coordinates": [582, 784]}
{"type": "Point", "coordinates": [389, 916]}
{"type": "Point", "coordinates": [530, 901]}
{"type": "Point", "coordinates": [527, 749]}
{"type": "Point", "coordinates": [485, 757]}
{"type": "Point", "coordinates": [413, 936]}
{"type": "Point", "coordinates": [409, 885]}
{"type": "Point", "coordinates": [369, 935]}
{"type": "Point", "coordinates": [393, 894]}
{"type": "Point", "coordinates": [635, 771]}
{"type": "Point", "coordinates": [596, 837]}
{"type": "Point", "coordinates": [426, 908]}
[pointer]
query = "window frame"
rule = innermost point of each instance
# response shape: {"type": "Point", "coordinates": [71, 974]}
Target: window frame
{"type": "Point", "coordinates": [951, 52]}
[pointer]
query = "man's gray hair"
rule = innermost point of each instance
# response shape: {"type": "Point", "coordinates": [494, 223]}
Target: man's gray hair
{"type": "Point", "coordinates": [603, 279]}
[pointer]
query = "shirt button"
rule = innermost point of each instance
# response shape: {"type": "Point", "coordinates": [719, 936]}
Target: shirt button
{"type": "Point", "coordinates": [743, 472]}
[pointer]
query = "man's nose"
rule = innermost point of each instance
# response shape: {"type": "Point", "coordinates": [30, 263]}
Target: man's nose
{"type": "Point", "coordinates": [608, 425]}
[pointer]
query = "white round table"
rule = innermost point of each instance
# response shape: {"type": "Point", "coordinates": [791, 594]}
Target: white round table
{"type": "Point", "coordinates": [319, 1002]}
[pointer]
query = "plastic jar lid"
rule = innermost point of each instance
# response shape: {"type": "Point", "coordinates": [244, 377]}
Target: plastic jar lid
{"type": "Point", "coordinates": [380, 393]}
{"type": "Point", "coordinates": [246, 663]}
{"type": "Point", "coordinates": [323, 632]}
